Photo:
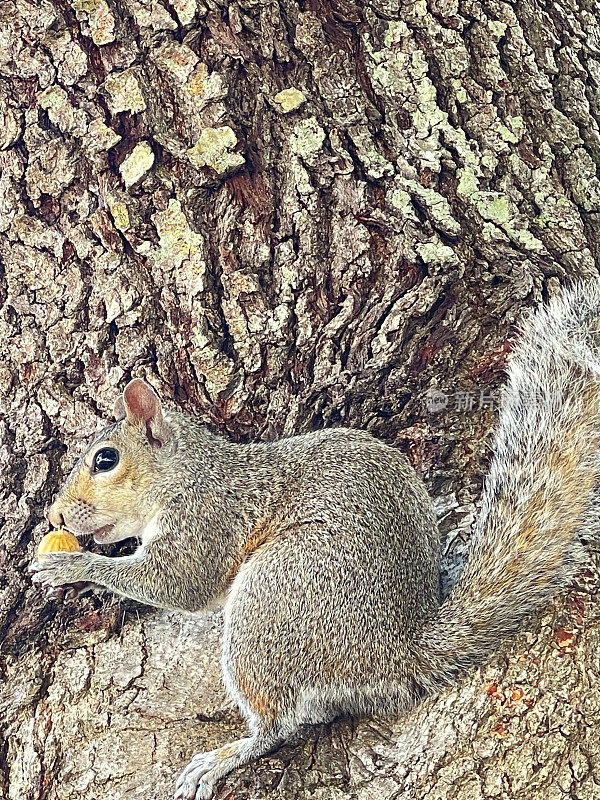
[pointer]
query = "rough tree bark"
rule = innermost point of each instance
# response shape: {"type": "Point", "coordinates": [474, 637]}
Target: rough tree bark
{"type": "Point", "coordinates": [284, 214]}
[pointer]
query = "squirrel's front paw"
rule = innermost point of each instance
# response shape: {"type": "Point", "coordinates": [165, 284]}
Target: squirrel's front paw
{"type": "Point", "coordinates": [56, 569]}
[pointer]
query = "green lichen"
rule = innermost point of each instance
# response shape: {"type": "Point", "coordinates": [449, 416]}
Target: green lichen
{"type": "Point", "coordinates": [137, 164]}
{"type": "Point", "coordinates": [302, 180]}
{"type": "Point", "coordinates": [493, 206]}
{"type": "Point", "coordinates": [214, 149]}
{"type": "Point", "coordinates": [401, 200]}
{"type": "Point", "coordinates": [489, 161]}
{"type": "Point", "coordinates": [290, 99]}
{"type": "Point", "coordinates": [437, 254]}
{"type": "Point", "coordinates": [507, 134]}
{"type": "Point", "coordinates": [526, 239]}
{"type": "Point", "coordinates": [308, 137]}
{"type": "Point", "coordinates": [396, 31]}
{"type": "Point", "coordinates": [120, 215]}
{"type": "Point", "coordinates": [180, 250]}
{"type": "Point", "coordinates": [514, 133]}
{"type": "Point", "coordinates": [496, 208]}
{"type": "Point", "coordinates": [467, 182]}
{"type": "Point", "coordinates": [53, 98]}
{"type": "Point", "coordinates": [497, 28]}
{"type": "Point", "coordinates": [375, 165]}
{"type": "Point", "coordinates": [428, 113]}
{"type": "Point", "coordinates": [461, 95]}
{"type": "Point", "coordinates": [491, 233]}
{"type": "Point", "coordinates": [185, 10]}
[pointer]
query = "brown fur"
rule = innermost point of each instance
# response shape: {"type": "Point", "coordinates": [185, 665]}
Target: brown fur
{"type": "Point", "coordinates": [263, 532]}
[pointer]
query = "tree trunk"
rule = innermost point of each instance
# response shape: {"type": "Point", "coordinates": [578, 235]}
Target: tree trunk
{"type": "Point", "coordinates": [284, 216]}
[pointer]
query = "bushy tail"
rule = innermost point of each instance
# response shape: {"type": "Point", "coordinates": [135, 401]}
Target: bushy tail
{"type": "Point", "coordinates": [541, 492]}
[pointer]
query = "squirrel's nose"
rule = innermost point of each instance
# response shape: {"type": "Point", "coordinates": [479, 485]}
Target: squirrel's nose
{"type": "Point", "coordinates": [54, 516]}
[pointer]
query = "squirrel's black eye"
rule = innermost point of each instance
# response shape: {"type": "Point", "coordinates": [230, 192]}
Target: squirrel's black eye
{"type": "Point", "coordinates": [106, 459]}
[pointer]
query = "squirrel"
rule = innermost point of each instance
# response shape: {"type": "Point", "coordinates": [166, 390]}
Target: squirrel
{"type": "Point", "coordinates": [326, 544]}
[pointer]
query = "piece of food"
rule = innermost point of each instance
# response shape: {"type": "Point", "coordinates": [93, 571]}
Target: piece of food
{"type": "Point", "coordinates": [56, 541]}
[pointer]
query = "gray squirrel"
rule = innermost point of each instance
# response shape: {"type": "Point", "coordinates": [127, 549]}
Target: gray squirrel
{"type": "Point", "coordinates": [326, 544]}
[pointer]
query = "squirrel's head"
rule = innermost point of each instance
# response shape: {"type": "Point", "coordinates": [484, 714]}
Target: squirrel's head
{"type": "Point", "coordinates": [107, 492]}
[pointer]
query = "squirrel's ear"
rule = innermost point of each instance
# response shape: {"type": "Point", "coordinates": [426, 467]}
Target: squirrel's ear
{"type": "Point", "coordinates": [140, 403]}
{"type": "Point", "coordinates": [119, 409]}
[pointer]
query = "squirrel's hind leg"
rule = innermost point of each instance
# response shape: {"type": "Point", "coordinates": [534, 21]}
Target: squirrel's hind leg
{"type": "Point", "coordinates": [198, 779]}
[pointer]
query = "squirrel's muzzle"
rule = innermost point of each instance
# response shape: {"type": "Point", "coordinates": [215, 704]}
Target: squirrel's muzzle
{"type": "Point", "coordinates": [54, 516]}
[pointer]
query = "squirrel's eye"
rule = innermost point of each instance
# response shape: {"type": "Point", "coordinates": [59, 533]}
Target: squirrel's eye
{"type": "Point", "coordinates": [106, 459]}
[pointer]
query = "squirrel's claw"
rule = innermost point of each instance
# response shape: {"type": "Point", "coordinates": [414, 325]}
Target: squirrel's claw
{"type": "Point", "coordinates": [70, 592]}
{"type": "Point", "coordinates": [56, 569]}
{"type": "Point", "coordinates": [192, 783]}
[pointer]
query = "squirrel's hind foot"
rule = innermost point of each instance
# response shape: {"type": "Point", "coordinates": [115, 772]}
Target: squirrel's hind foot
{"type": "Point", "coordinates": [198, 779]}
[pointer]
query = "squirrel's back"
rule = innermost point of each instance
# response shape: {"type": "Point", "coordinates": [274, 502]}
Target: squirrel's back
{"type": "Point", "coordinates": [368, 502]}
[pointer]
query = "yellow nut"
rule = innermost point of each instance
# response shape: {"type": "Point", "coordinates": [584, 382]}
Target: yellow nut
{"type": "Point", "coordinates": [56, 541]}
